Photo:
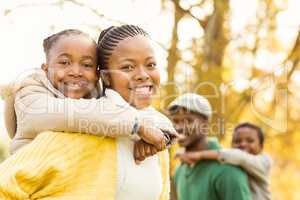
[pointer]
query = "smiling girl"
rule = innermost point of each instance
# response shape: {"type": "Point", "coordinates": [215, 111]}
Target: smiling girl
{"type": "Point", "coordinates": [57, 165]}
{"type": "Point", "coordinates": [64, 96]}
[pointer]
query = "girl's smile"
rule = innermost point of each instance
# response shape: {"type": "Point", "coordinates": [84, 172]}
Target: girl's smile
{"type": "Point", "coordinates": [71, 66]}
{"type": "Point", "coordinates": [132, 71]}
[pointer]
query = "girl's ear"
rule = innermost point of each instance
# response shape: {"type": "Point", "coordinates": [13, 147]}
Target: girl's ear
{"type": "Point", "coordinates": [105, 77]}
{"type": "Point", "coordinates": [44, 67]}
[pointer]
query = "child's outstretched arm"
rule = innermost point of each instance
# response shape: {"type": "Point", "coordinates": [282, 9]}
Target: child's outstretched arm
{"type": "Point", "coordinates": [38, 111]}
{"type": "Point", "coordinates": [191, 157]}
{"type": "Point", "coordinates": [258, 166]}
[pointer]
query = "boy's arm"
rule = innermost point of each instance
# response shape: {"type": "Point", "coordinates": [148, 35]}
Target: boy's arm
{"type": "Point", "coordinates": [257, 166]}
{"type": "Point", "coordinates": [38, 111]}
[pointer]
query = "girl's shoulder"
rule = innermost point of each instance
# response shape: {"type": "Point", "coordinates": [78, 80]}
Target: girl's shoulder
{"type": "Point", "coordinates": [33, 80]}
{"type": "Point", "coordinates": [154, 115]}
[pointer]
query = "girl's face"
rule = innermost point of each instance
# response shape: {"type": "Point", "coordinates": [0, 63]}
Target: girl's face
{"type": "Point", "coordinates": [246, 139]}
{"type": "Point", "coordinates": [72, 66]}
{"type": "Point", "coordinates": [133, 72]}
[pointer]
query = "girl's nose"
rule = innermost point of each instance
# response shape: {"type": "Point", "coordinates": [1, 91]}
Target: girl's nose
{"type": "Point", "coordinates": [141, 74]}
{"type": "Point", "coordinates": [75, 70]}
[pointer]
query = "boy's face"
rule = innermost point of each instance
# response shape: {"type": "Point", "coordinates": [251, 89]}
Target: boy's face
{"type": "Point", "coordinates": [189, 123]}
{"type": "Point", "coordinates": [246, 139]}
{"type": "Point", "coordinates": [72, 66]}
{"type": "Point", "coordinates": [132, 71]}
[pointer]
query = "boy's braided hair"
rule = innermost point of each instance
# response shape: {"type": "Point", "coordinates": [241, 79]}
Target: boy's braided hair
{"type": "Point", "coordinates": [110, 37]}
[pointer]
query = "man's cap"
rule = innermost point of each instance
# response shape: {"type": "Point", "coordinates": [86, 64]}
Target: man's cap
{"type": "Point", "coordinates": [193, 102]}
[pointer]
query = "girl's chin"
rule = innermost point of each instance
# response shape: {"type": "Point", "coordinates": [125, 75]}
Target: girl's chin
{"type": "Point", "coordinates": [140, 104]}
{"type": "Point", "coordinates": [74, 95]}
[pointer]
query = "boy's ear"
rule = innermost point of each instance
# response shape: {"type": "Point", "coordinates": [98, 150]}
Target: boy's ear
{"type": "Point", "coordinates": [44, 67]}
{"type": "Point", "coordinates": [105, 77]}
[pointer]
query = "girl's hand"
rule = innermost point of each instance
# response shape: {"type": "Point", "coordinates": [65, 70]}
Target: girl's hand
{"type": "Point", "coordinates": [142, 150]}
{"type": "Point", "coordinates": [154, 136]}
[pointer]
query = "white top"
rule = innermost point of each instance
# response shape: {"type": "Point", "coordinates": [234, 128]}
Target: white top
{"type": "Point", "coordinates": [137, 182]}
{"type": "Point", "coordinates": [143, 181]}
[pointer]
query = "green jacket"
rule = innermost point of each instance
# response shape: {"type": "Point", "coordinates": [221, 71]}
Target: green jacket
{"type": "Point", "coordinates": [210, 180]}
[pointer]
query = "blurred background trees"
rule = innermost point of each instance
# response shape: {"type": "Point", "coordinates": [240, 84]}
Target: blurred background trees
{"type": "Point", "coordinates": [242, 55]}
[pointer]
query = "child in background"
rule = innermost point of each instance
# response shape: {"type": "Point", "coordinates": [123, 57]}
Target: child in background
{"type": "Point", "coordinates": [64, 96]}
{"type": "Point", "coordinates": [247, 144]}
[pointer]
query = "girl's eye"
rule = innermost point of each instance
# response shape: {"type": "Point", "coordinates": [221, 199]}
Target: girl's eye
{"type": "Point", "coordinates": [152, 65]}
{"type": "Point", "coordinates": [64, 62]}
{"type": "Point", "coordinates": [88, 65]}
{"type": "Point", "coordinates": [127, 68]}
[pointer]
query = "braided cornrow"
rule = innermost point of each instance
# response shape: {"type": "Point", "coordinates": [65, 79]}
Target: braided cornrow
{"type": "Point", "coordinates": [52, 39]}
{"type": "Point", "coordinates": [110, 37]}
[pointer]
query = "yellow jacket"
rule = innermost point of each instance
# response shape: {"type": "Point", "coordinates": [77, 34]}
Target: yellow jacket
{"type": "Point", "coordinates": [62, 166]}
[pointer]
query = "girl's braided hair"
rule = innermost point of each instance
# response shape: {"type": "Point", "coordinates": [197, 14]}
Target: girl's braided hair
{"type": "Point", "coordinates": [109, 39]}
{"type": "Point", "coordinates": [49, 42]}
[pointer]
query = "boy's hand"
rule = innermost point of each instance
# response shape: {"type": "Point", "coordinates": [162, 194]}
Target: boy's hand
{"type": "Point", "coordinates": [189, 158]}
{"type": "Point", "coordinates": [142, 150]}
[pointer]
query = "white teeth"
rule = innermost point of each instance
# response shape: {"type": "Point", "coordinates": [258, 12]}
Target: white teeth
{"type": "Point", "coordinates": [74, 85]}
{"type": "Point", "coordinates": [143, 90]}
